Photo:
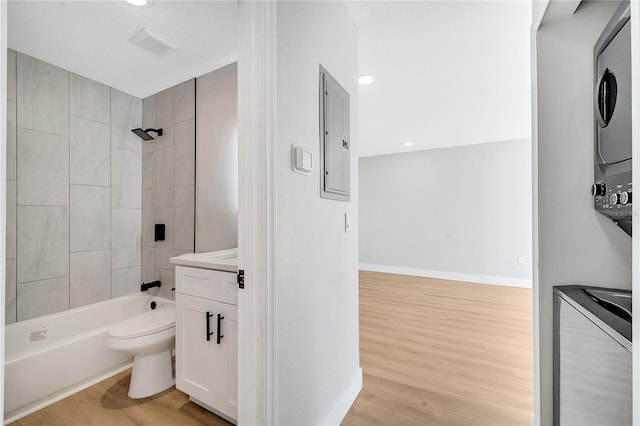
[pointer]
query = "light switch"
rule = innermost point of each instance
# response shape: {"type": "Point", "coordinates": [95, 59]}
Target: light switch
{"type": "Point", "coordinates": [301, 160]}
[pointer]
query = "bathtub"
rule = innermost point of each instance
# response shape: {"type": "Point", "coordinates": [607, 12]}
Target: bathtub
{"type": "Point", "coordinates": [52, 357]}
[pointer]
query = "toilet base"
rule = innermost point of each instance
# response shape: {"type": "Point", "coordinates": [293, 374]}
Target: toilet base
{"type": "Point", "coordinates": [151, 374]}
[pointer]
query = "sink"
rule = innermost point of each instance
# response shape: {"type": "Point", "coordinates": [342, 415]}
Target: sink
{"type": "Point", "coordinates": [217, 255]}
{"type": "Point", "coordinates": [223, 260]}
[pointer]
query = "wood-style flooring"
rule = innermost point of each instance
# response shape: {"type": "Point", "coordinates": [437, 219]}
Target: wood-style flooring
{"type": "Point", "coordinates": [433, 352]}
{"type": "Point", "coordinates": [107, 404]}
{"type": "Point", "coordinates": [438, 352]}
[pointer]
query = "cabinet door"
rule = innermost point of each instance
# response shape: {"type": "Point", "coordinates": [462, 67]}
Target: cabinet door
{"type": "Point", "coordinates": [228, 362]}
{"type": "Point", "coordinates": [196, 357]}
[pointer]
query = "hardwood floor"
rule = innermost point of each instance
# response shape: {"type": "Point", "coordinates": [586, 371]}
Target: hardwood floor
{"type": "Point", "coordinates": [437, 352]}
{"type": "Point", "coordinates": [433, 352]}
{"type": "Point", "coordinates": [107, 403]}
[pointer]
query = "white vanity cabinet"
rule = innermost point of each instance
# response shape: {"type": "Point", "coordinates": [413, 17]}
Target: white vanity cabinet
{"type": "Point", "coordinates": [207, 338]}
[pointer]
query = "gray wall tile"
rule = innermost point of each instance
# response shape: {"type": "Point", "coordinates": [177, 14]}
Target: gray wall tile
{"type": "Point", "coordinates": [183, 211]}
{"type": "Point", "coordinates": [164, 249]}
{"type": "Point", "coordinates": [185, 101]}
{"type": "Point", "coordinates": [90, 218]}
{"type": "Point", "coordinates": [90, 277]}
{"type": "Point", "coordinates": [43, 169]}
{"type": "Point", "coordinates": [11, 140]}
{"type": "Point", "coordinates": [185, 153]}
{"type": "Point", "coordinates": [42, 96]}
{"type": "Point", "coordinates": [10, 315]}
{"type": "Point", "coordinates": [178, 252]}
{"type": "Point", "coordinates": [125, 281]}
{"type": "Point", "coordinates": [165, 118]}
{"type": "Point", "coordinates": [126, 179]}
{"type": "Point", "coordinates": [126, 237]}
{"type": "Point", "coordinates": [148, 167]}
{"type": "Point", "coordinates": [126, 114]}
{"type": "Point", "coordinates": [38, 298]}
{"type": "Point", "coordinates": [149, 112]}
{"type": "Point", "coordinates": [148, 218]}
{"type": "Point", "coordinates": [11, 75]}
{"type": "Point", "coordinates": [148, 148]}
{"type": "Point", "coordinates": [89, 99]}
{"type": "Point", "coordinates": [89, 154]}
{"type": "Point", "coordinates": [43, 251]}
{"type": "Point", "coordinates": [166, 278]}
{"type": "Point", "coordinates": [11, 220]}
{"type": "Point", "coordinates": [164, 178]}
{"type": "Point", "coordinates": [148, 263]}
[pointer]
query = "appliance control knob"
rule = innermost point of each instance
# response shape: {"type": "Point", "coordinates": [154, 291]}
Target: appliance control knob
{"type": "Point", "coordinates": [598, 189]}
{"type": "Point", "coordinates": [624, 198]}
{"type": "Point", "coordinates": [613, 199]}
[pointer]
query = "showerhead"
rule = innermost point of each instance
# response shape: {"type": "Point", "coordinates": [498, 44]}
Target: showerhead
{"type": "Point", "coordinates": [144, 134]}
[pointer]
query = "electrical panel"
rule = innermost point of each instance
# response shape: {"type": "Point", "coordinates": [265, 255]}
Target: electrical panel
{"type": "Point", "coordinates": [335, 139]}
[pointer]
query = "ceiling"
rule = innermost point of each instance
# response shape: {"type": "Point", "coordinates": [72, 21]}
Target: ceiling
{"type": "Point", "coordinates": [91, 38]}
{"type": "Point", "coordinates": [447, 73]}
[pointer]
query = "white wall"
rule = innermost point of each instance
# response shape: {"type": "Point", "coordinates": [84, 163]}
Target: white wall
{"type": "Point", "coordinates": [439, 64]}
{"type": "Point", "coordinates": [463, 210]}
{"type": "Point", "coordinates": [318, 372]}
{"type": "Point", "coordinates": [576, 244]}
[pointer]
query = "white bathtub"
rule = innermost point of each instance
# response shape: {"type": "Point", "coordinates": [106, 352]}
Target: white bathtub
{"type": "Point", "coordinates": [52, 357]}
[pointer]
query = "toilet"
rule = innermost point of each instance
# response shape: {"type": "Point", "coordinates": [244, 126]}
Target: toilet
{"type": "Point", "coordinates": [149, 337]}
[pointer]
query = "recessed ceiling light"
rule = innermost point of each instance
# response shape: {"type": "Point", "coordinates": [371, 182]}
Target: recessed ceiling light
{"type": "Point", "coordinates": [407, 142]}
{"type": "Point", "coordinates": [366, 79]}
{"type": "Point", "coordinates": [137, 2]}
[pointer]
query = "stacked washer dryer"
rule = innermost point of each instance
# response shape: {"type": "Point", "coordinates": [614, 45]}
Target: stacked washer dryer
{"type": "Point", "coordinates": [612, 189]}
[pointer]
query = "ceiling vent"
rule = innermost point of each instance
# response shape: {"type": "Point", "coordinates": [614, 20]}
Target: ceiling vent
{"type": "Point", "coordinates": [152, 43]}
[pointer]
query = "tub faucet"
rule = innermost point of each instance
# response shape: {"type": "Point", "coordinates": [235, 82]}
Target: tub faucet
{"type": "Point", "coordinates": [147, 286]}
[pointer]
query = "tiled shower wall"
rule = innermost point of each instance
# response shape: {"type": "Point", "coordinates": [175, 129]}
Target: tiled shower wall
{"type": "Point", "coordinates": [168, 182]}
{"type": "Point", "coordinates": [74, 190]}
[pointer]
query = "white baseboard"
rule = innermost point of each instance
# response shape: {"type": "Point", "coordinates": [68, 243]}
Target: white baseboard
{"type": "Point", "coordinates": [344, 401]}
{"type": "Point", "coordinates": [443, 275]}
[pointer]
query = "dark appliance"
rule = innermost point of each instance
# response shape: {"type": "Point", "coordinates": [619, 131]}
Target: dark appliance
{"type": "Point", "coordinates": [612, 189]}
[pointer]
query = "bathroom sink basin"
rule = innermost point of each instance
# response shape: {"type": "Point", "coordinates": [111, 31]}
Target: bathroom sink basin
{"type": "Point", "coordinates": [222, 260]}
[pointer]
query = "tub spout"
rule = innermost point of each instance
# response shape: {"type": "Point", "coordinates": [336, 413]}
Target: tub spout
{"type": "Point", "coordinates": [147, 286]}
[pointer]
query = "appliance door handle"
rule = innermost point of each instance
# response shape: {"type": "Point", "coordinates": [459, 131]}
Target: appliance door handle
{"type": "Point", "coordinates": [209, 332]}
{"type": "Point", "coordinates": [605, 97]}
{"type": "Point", "coordinates": [220, 336]}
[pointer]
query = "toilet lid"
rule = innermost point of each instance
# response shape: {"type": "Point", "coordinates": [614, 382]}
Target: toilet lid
{"type": "Point", "coordinates": [144, 324]}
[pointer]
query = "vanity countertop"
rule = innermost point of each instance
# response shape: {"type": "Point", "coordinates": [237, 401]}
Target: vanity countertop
{"type": "Point", "coordinates": [222, 260]}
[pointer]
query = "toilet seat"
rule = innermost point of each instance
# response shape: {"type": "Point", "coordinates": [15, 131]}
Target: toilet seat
{"type": "Point", "coordinates": [145, 324]}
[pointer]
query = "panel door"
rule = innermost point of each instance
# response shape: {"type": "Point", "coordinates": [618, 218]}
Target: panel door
{"type": "Point", "coordinates": [228, 362]}
{"type": "Point", "coordinates": [196, 357]}
{"type": "Point", "coordinates": [336, 138]}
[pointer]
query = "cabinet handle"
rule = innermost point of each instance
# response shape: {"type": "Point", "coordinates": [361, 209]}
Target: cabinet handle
{"type": "Point", "coordinates": [209, 333]}
{"type": "Point", "coordinates": [220, 336]}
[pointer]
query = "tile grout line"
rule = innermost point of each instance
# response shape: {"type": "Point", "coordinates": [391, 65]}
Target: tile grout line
{"type": "Point", "coordinates": [15, 213]}
{"type": "Point", "coordinates": [110, 194]}
{"type": "Point", "coordinates": [69, 176]}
